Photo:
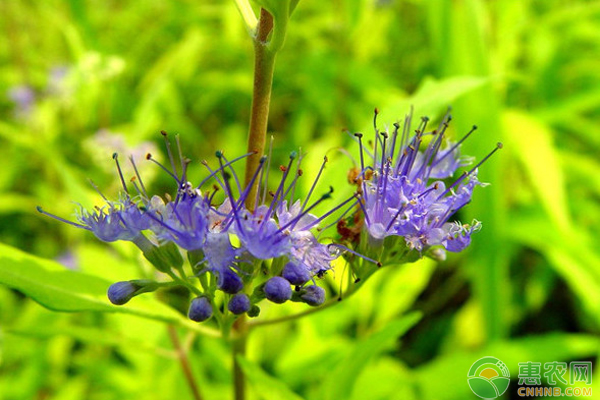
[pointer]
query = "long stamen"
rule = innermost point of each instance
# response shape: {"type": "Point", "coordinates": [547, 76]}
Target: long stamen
{"type": "Point", "coordinates": [169, 152]}
{"type": "Point", "coordinates": [298, 175]}
{"type": "Point", "coordinates": [327, 214]}
{"type": "Point", "coordinates": [266, 182]}
{"type": "Point", "coordinates": [91, 182]}
{"type": "Point", "coordinates": [115, 157]}
{"type": "Point", "coordinates": [150, 158]}
{"type": "Point", "coordinates": [431, 189]}
{"type": "Point", "coordinates": [56, 217]}
{"type": "Point", "coordinates": [394, 137]}
{"type": "Point", "coordinates": [213, 173]}
{"type": "Point", "coordinates": [433, 148]}
{"type": "Point", "coordinates": [258, 171]}
{"type": "Point", "coordinates": [344, 248]}
{"type": "Point", "coordinates": [181, 157]}
{"type": "Point", "coordinates": [260, 179]}
{"type": "Point", "coordinates": [237, 181]}
{"type": "Point", "coordinates": [227, 187]}
{"type": "Point", "coordinates": [297, 218]}
{"type": "Point", "coordinates": [405, 132]}
{"type": "Point", "coordinates": [312, 188]}
{"type": "Point", "coordinates": [212, 195]}
{"type": "Point", "coordinates": [139, 178]}
{"type": "Point", "coordinates": [352, 207]}
{"type": "Point", "coordinates": [137, 188]}
{"type": "Point", "coordinates": [362, 162]}
{"type": "Point", "coordinates": [364, 210]}
{"type": "Point", "coordinates": [466, 174]}
{"type": "Point", "coordinates": [414, 147]}
{"type": "Point", "coordinates": [286, 171]}
{"type": "Point", "coordinates": [449, 151]}
{"type": "Point", "coordinates": [393, 220]}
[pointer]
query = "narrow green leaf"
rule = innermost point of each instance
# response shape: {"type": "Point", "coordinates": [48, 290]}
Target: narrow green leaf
{"type": "Point", "coordinates": [531, 141]}
{"type": "Point", "coordinates": [340, 383]}
{"type": "Point", "coordinates": [566, 254]}
{"type": "Point", "coordinates": [59, 289]}
{"type": "Point", "coordinates": [266, 386]}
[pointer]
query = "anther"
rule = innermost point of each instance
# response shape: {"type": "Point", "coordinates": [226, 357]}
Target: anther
{"type": "Point", "coordinates": [163, 133]}
{"type": "Point", "coordinates": [148, 156]}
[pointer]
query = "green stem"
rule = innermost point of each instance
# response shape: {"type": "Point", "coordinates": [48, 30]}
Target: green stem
{"type": "Point", "coordinates": [264, 64]}
{"type": "Point", "coordinates": [185, 363]}
{"type": "Point", "coordinates": [239, 348]}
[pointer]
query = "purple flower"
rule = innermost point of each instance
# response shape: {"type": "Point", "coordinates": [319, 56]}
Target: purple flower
{"type": "Point", "coordinates": [184, 222]}
{"type": "Point", "coordinates": [107, 225]}
{"type": "Point", "coordinates": [313, 295]}
{"type": "Point", "coordinates": [239, 304]}
{"type": "Point", "coordinates": [297, 274]}
{"type": "Point", "coordinates": [121, 292]}
{"type": "Point", "coordinates": [278, 290]}
{"type": "Point", "coordinates": [229, 281]}
{"type": "Point", "coordinates": [401, 191]}
{"type": "Point", "coordinates": [200, 309]}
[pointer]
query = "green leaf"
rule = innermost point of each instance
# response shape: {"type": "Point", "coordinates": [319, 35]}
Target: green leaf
{"type": "Point", "coordinates": [567, 254]}
{"type": "Point", "coordinates": [434, 96]}
{"type": "Point", "coordinates": [340, 382]}
{"type": "Point", "coordinates": [59, 289]}
{"type": "Point", "coordinates": [531, 141]}
{"type": "Point", "coordinates": [266, 386]}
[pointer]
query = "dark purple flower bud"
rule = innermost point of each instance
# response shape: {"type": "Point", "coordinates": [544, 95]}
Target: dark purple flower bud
{"type": "Point", "coordinates": [313, 295]}
{"type": "Point", "coordinates": [239, 304]}
{"type": "Point", "coordinates": [200, 309]}
{"type": "Point", "coordinates": [278, 290]}
{"type": "Point", "coordinates": [229, 281]}
{"type": "Point", "coordinates": [121, 292]}
{"type": "Point", "coordinates": [254, 311]}
{"type": "Point", "coordinates": [296, 274]}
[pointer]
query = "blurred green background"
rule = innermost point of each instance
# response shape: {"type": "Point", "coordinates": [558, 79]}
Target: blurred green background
{"type": "Point", "coordinates": [82, 79]}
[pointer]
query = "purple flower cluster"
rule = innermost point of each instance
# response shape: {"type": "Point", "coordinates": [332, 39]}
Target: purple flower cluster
{"type": "Point", "coordinates": [278, 230]}
{"type": "Point", "coordinates": [404, 189]}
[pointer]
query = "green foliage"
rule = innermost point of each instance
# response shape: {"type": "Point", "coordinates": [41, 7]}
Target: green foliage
{"type": "Point", "coordinates": [525, 72]}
